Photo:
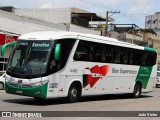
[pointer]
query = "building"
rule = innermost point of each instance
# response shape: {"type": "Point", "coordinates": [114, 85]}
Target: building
{"type": "Point", "coordinates": [74, 19]}
{"type": "Point", "coordinates": [6, 37]}
{"type": "Point", "coordinates": [153, 41]}
{"type": "Point", "coordinates": [67, 19]}
{"type": "Point", "coordinates": [130, 33]}
{"type": "Point", "coordinates": [153, 22]}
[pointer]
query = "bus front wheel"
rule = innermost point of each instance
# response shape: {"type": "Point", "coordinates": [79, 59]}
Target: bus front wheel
{"type": "Point", "coordinates": [137, 90]}
{"type": "Point", "coordinates": [73, 93]}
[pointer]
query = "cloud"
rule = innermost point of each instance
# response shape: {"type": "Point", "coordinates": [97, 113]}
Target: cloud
{"type": "Point", "coordinates": [59, 3]}
{"type": "Point", "coordinates": [46, 5]}
{"type": "Point", "coordinates": [141, 2]}
{"type": "Point", "coordinates": [142, 7]}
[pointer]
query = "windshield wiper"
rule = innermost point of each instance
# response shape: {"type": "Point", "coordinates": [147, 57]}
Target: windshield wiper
{"type": "Point", "coordinates": [30, 72]}
{"type": "Point", "coordinates": [27, 65]}
{"type": "Point", "coordinates": [15, 68]}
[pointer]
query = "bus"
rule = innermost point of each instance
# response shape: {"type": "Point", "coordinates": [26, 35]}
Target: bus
{"type": "Point", "coordinates": [53, 64]}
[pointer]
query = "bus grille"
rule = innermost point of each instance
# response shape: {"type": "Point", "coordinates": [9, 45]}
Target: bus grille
{"type": "Point", "coordinates": [21, 86]}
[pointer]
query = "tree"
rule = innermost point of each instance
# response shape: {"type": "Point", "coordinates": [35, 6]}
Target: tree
{"type": "Point", "coordinates": [101, 27]}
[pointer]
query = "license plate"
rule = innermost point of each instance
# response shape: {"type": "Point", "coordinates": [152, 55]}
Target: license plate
{"type": "Point", "coordinates": [19, 91]}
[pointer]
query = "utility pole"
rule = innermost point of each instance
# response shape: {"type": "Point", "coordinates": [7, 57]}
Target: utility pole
{"type": "Point", "coordinates": [107, 20]}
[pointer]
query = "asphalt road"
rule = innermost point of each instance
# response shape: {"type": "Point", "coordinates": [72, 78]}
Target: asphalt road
{"type": "Point", "coordinates": [147, 102]}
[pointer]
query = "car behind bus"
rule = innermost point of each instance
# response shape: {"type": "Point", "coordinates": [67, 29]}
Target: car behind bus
{"type": "Point", "coordinates": [158, 79]}
{"type": "Point", "coordinates": [2, 81]}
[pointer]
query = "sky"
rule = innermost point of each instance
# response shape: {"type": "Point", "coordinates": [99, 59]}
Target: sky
{"type": "Point", "coordinates": [131, 11]}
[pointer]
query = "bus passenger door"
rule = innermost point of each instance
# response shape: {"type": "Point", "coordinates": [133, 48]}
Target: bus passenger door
{"type": "Point", "coordinates": [61, 86]}
{"type": "Point", "coordinates": [54, 85]}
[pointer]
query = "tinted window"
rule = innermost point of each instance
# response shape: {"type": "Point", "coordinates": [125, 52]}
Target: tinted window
{"type": "Point", "coordinates": [98, 52]}
{"type": "Point", "coordinates": [66, 47]}
{"type": "Point", "coordinates": [83, 51]}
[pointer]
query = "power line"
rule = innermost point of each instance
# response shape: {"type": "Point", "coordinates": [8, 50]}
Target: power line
{"type": "Point", "coordinates": [133, 19]}
{"type": "Point", "coordinates": [127, 14]}
{"type": "Point", "coordinates": [107, 16]}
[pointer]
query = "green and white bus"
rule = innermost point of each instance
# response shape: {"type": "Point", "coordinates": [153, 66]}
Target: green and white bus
{"type": "Point", "coordinates": [55, 64]}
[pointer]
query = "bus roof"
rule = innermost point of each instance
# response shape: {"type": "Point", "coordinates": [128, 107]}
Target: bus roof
{"type": "Point", "coordinates": [53, 35]}
{"type": "Point", "coordinates": [48, 35]}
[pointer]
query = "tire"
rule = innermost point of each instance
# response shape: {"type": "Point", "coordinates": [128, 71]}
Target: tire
{"type": "Point", "coordinates": [137, 90]}
{"type": "Point", "coordinates": [1, 86]}
{"type": "Point", "coordinates": [73, 94]}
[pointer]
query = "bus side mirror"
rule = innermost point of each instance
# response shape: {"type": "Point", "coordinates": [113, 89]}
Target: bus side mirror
{"type": "Point", "coordinates": [4, 47]}
{"type": "Point", "coordinates": [57, 51]}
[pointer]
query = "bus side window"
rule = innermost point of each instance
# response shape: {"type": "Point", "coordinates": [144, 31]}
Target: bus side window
{"type": "Point", "coordinates": [117, 54]}
{"type": "Point", "coordinates": [130, 56]}
{"type": "Point", "coordinates": [125, 56]}
{"type": "Point", "coordinates": [99, 53]}
{"type": "Point", "coordinates": [139, 55]}
{"type": "Point", "coordinates": [66, 46]}
{"type": "Point", "coordinates": [83, 52]}
{"type": "Point", "coordinates": [151, 59]}
{"type": "Point", "coordinates": [109, 53]}
{"type": "Point", "coordinates": [144, 59]}
{"type": "Point", "coordinates": [136, 58]}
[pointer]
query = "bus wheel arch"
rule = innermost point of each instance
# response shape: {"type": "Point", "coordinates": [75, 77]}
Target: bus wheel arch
{"type": "Point", "coordinates": [39, 99]}
{"type": "Point", "coordinates": [137, 89]}
{"type": "Point", "coordinates": [74, 92]}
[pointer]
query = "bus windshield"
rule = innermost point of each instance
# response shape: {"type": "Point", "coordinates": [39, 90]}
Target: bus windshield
{"type": "Point", "coordinates": [32, 59]}
{"type": "Point", "coordinates": [29, 58]}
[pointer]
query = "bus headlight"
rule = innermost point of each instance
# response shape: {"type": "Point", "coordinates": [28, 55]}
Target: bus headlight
{"type": "Point", "coordinates": [39, 83]}
{"type": "Point", "coordinates": [8, 79]}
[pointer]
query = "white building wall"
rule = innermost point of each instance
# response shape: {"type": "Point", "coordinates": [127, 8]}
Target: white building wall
{"type": "Point", "coordinates": [56, 15]}
{"type": "Point", "coordinates": [17, 24]}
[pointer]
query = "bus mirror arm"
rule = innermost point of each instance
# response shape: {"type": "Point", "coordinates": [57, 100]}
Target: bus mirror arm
{"type": "Point", "coordinates": [57, 51]}
{"type": "Point", "coordinates": [10, 44]}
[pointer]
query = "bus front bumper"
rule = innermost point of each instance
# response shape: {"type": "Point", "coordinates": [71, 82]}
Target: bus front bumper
{"type": "Point", "coordinates": [38, 91]}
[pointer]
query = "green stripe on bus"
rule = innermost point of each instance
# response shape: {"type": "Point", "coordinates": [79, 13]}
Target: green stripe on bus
{"type": "Point", "coordinates": [149, 49]}
{"type": "Point", "coordinates": [144, 75]}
